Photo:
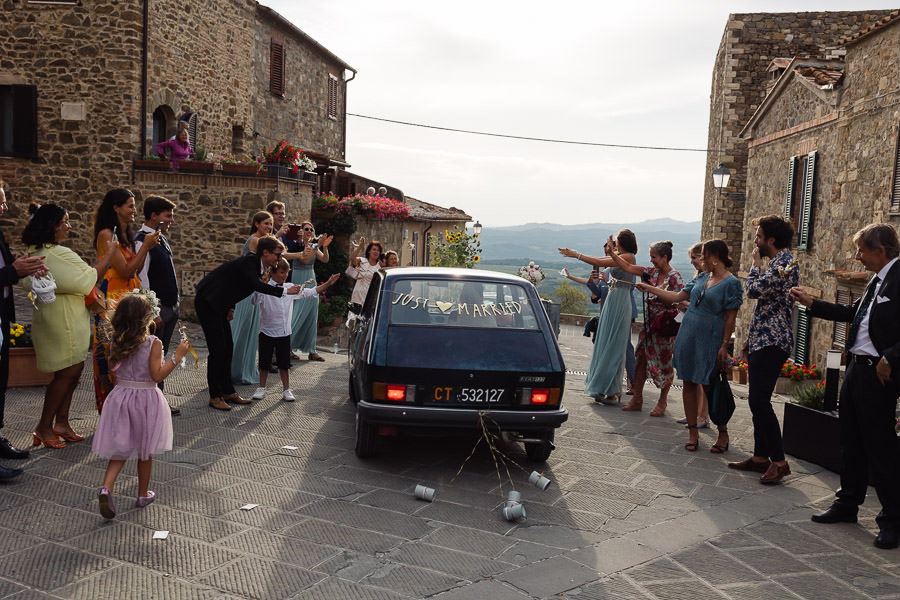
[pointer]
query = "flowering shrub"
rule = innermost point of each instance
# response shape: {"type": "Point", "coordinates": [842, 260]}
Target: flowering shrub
{"type": "Point", "coordinates": [285, 154]}
{"type": "Point", "coordinates": [532, 273]}
{"type": "Point", "coordinates": [455, 249]}
{"type": "Point", "coordinates": [800, 372]}
{"type": "Point", "coordinates": [811, 396]}
{"type": "Point", "coordinates": [736, 362]}
{"type": "Point", "coordinates": [380, 208]}
{"type": "Point", "coordinates": [20, 336]}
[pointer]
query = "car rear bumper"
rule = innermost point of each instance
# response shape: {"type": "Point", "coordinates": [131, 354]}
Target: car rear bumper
{"type": "Point", "coordinates": [403, 415]}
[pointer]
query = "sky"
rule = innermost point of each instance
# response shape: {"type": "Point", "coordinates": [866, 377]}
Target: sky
{"type": "Point", "coordinates": [630, 73]}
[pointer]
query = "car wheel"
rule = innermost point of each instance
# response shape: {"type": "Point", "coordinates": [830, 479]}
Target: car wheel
{"type": "Point", "coordinates": [540, 451]}
{"type": "Point", "coordinates": [366, 437]}
{"type": "Point", "coordinates": [352, 389]}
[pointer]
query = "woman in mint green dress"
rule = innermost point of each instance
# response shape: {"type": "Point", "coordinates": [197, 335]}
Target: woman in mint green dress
{"type": "Point", "coordinates": [604, 377]}
{"type": "Point", "coordinates": [245, 324]}
{"type": "Point", "coordinates": [305, 318]}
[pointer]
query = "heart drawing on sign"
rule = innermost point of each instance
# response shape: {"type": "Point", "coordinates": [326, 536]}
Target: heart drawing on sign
{"type": "Point", "coordinates": [444, 306]}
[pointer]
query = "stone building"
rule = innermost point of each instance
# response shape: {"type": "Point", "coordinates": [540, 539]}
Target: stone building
{"type": "Point", "coordinates": [741, 78]}
{"type": "Point", "coordinates": [88, 87]}
{"type": "Point", "coordinates": [822, 149]}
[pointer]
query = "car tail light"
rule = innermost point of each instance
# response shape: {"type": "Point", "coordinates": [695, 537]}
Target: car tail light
{"type": "Point", "coordinates": [393, 392]}
{"type": "Point", "coordinates": [540, 396]}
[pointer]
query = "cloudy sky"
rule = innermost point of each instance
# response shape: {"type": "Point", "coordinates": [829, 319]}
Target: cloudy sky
{"type": "Point", "coordinates": [631, 73]}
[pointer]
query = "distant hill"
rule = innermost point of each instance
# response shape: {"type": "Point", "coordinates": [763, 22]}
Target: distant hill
{"type": "Point", "coordinates": [520, 244]}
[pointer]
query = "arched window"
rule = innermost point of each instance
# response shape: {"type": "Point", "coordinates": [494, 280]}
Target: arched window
{"type": "Point", "coordinates": [160, 127]}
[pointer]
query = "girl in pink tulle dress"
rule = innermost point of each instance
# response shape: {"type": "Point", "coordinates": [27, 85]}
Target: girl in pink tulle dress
{"type": "Point", "coordinates": [136, 421]}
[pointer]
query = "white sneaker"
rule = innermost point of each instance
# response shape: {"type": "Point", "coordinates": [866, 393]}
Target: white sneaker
{"type": "Point", "coordinates": [259, 394]}
{"type": "Point", "coordinates": [288, 396]}
{"type": "Point", "coordinates": [682, 421]}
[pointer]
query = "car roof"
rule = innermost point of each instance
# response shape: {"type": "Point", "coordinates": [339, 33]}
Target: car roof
{"type": "Point", "coordinates": [449, 274]}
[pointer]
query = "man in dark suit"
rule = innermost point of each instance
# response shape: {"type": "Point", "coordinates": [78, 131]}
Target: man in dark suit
{"type": "Point", "coordinates": [10, 272]}
{"type": "Point", "coordinates": [217, 294]}
{"type": "Point", "coordinates": [868, 400]}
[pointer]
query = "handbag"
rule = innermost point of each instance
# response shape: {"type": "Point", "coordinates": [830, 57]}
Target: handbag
{"type": "Point", "coordinates": [352, 272]}
{"type": "Point", "coordinates": [95, 301]}
{"type": "Point", "coordinates": [720, 398]}
{"type": "Point", "coordinates": [665, 325]}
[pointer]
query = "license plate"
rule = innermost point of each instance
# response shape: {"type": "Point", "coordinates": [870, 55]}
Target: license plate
{"type": "Point", "coordinates": [470, 395]}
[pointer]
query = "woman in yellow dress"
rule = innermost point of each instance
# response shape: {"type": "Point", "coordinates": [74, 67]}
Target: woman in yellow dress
{"type": "Point", "coordinates": [60, 329]}
{"type": "Point", "coordinates": [113, 222]}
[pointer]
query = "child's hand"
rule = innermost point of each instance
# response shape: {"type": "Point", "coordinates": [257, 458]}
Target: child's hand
{"type": "Point", "coordinates": [182, 350]}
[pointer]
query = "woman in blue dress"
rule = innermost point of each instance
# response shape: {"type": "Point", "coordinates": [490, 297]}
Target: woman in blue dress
{"type": "Point", "coordinates": [604, 377]}
{"type": "Point", "coordinates": [305, 318]}
{"type": "Point", "coordinates": [701, 347]}
{"type": "Point", "coordinates": [245, 324]}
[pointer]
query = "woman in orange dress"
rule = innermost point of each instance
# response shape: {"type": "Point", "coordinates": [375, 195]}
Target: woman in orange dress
{"type": "Point", "coordinates": [113, 221]}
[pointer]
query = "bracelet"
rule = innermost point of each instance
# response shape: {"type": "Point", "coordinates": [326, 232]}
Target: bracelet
{"type": "Point", "coordinates": [174, 364]}
{"type": "Point", "coordinates": [579, 256]}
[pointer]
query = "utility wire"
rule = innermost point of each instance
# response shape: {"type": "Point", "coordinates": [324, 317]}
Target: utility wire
{"type": "Point", "coordinates": [534, 139]}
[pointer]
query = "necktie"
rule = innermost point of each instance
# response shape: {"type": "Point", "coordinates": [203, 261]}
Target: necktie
{"type": "Point", "coordinates": [165, 244]}
{"type": "Point", "coordinates": [861, 311]}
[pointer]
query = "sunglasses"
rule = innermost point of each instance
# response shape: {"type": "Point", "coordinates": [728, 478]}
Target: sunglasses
{"type": "Point", "coordinates": [701, 296]}
{"type": "Point", "coordinates": [307, 229]}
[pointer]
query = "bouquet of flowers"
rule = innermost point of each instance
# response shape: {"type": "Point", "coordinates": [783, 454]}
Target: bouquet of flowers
{"type": "Point", "coordinates": [532, 273]}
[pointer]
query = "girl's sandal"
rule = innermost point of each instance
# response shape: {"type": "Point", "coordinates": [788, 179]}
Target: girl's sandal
{"type": "Point", "coordinates": [692, 445]}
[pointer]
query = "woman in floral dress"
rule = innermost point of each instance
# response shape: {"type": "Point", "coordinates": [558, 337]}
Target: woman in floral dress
{"type": "Point", "coordinates": [654, 351]}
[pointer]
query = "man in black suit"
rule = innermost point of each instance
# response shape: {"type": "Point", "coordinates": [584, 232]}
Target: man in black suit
{"type": "Point", "coordinates": [868, 401]}
{"type": "Point", "coordinates": [10, 272]}
{"type": "Point", "coordinates": [217, 294]}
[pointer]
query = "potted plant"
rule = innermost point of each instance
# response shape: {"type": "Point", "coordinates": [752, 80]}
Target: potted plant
{"type": "Point", "coordinates": [284, 160]}
{"type": "Point", "coordinates": [809, 432]}
{"type": "Point", "coordinates": [153, 162]}
{"type": "Point", "coordinates": [23, 370]}
{"type": "Point", "coordinates": [737, 370]}
{"type": "Point", "coordinates": [199, 164]}
{"type": "Point", "coordinates": [794, 376]}
{"type": "Point", "coordinates": [243, 167]}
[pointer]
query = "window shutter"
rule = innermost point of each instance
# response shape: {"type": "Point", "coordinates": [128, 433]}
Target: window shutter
{"type": "Point", "coordinates": [276, 68]}
{"type": "Point", "coordinates": [18, 121]}
{"type": "Point", "coordinates": [801, 335]}
{"type": "Point", "coordinates": [191, 119]}
{"type": "Point", "coordinates": [839, 336]}
{"type": "Point", "coordinates": [332, 96]}
{"type": "Point", "coordinates": [789, 194]}
{"type": "Point", "coordinates": [805, 218]}
{"type": "Point", "coordinates": [895, 192]}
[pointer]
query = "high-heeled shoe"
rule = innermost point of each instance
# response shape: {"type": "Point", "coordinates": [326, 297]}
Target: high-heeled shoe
{"type": "Point", "coordinates": [69, 437]}
{"type": "Point", "coordinates": [659, 410]}
{"type": "Point", "coordinates": [636, 404]}
{"type": "Point", "coordinates": [54, 443]}
{"type": "Point", "coordinates": [718, 448]}
{"type": "Point", "coordinates": [692, 445]}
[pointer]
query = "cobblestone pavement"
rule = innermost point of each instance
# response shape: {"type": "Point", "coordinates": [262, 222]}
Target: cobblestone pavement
{"type": "Point", "coordinates": [630, 513]}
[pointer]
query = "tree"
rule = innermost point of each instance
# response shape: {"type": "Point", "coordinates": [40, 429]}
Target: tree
{"type": "Point", "coordinates": [573, 300]}
{"type": "Point", "coordinates": [455, 249]}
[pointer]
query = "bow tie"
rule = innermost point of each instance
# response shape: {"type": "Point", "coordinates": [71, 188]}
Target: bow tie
{"type": "Point", "coordinates": [278, 284]}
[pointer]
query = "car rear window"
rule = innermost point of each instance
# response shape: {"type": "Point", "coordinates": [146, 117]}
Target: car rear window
{"type": "Point", "coordinates": [463, 304]}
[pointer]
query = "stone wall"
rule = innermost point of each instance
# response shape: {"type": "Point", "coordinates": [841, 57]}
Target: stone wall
{"type": "Point", "coordinates": [749, 43]}
{"type": "Point", "coordinates": [301, 114]}
{"type": "Point", "coordinates": [796, 104]}
{"type": "Point", "coordinates": [854, 171]}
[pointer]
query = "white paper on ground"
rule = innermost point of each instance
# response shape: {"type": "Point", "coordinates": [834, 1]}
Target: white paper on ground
{"type": "Point", "coordinates": [249, 506]}
{"type": "Point", "coordinates": [160, 535]}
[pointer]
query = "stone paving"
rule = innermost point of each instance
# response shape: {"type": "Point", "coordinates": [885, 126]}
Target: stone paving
{"type": "Point", "coordinates": [630, 513]}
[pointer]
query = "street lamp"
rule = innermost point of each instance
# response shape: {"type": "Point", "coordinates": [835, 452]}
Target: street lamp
{"type": "Point", "coordinates": [721, 175]}
{"type": "Point", "coordinates": [476, 228]}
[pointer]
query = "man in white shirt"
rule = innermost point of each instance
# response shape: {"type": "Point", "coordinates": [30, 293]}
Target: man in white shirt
{"type": "Point", "coordinates": [275, 328]}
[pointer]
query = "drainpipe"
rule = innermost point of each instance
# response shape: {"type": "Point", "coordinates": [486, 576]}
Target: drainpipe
{"type": "Point", "coordinates": [145, 48]}
{"type": "Point", "coordinates": [344, 124]}
{"type": "Point", "coordinates": [424, 242]}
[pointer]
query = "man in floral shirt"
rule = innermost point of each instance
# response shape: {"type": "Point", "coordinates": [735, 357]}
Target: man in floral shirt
{"type": "Point", "coordinates": [769, 342]}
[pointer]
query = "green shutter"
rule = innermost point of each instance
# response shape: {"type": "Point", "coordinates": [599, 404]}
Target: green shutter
{"type": "Point", "coordinates": [801, 335]}
{"type": "Point", "coordinates": [789, 196]}
{"type": "Point", "coordinates": [804, 222]}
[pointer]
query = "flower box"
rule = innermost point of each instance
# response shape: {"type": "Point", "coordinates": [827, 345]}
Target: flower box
{"type": "Point", "coordinates": [151, 165]}
{"type": "Point", "coordinates": [23, 370]}
{"type": "Point", "coordinates": [788, 387]}
{"type": "Point", "coordinates": [241, 170]}
{"type": "Point", "coordinates": [283, 171]}
{"type": "Point", "coordinates": [196, 166]}
{"type": "Point", "coordinates": [812, 435]}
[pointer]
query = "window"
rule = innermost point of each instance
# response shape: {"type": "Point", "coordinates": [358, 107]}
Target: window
{"type": "Point", "coordinates": [895, 190]}
{"type": "Point", "coordinates": [798, 204]}
{"type": "Point", "coordinates": [839, 335]}
{"type": "Point", "coordinates": [332, 96]}
{"type": "Point", "coordinates": [802, 321]}
{"type": "Point", "coordinates": [415, 252]}
{"type": "Point", "coordinates": [18, 121]}
{"type": "Point", "coordinates": [276, 67]}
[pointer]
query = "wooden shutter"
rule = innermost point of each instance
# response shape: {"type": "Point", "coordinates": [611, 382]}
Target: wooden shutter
{"type": "Point", "coordinates": [895, 192]}
{"type": "Point", "coordinates": [839, 335]}
{"type": "Point", "coordinates": [276, 67]}
{"type": "Point", "coordinates": [789, 193]}
{"type": "Point", "coordinates": [191, 119]}
{"type": "Point", "coordinates": [804, 219]}
{"type": "Point", "coordinates": [332, 96]}
{"type": "Point", "coordinates": [802, 322]}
